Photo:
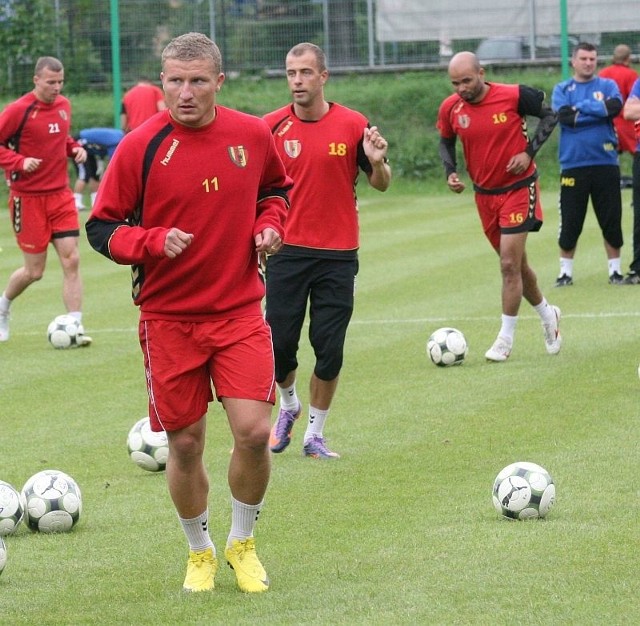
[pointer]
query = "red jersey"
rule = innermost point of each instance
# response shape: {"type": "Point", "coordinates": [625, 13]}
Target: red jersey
{"type": "Point", "coordinates": [224, 183]}
{"type": "Point", "coordinates": [322, 158]}
{"type": "Point", "coordinates": [32, 128]}
{"type": "Point", "coordinates": [624, 76]}
{"type": "Point", "coordinates": [140, 103]}
{"type": "Point", "coordinates": [492, 131]}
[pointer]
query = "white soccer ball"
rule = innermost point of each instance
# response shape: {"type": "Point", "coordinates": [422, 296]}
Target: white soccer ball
{"type": "Point", "coordinates": [148, 449]}
{"type": "Point", "coordinates": [523, 490]}
{"type": "Point", "coordinates": [447, 346]}
{"type": "Point", "coordinates": [65, 332]}
{"type": "Point", "coordinates": [53, 502]}
{"type": "Point", "coordinates": [3, 554]}
{"type": "Point", "coordinates": [11, 508]}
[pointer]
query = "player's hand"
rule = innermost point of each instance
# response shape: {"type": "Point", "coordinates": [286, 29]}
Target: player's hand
{"type": "Point", "coordinates": [455, 184]}
{"type": "Point", "coordinates": [268, 241]}
{"type": "Point", "coordinates": [79, 155]}
{"type": "Point", "coordinates": [519, 163]}
{"type": "Point", "coordinates": [176, 242]}
{"type": "Point", "coordinates": [375, 145]}
{"type": "Point", "coordinates": [31, 164]}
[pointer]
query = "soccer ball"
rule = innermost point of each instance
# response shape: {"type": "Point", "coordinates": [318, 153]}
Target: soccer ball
{"type": "Point", "coordinates": [65, 332]}
{"type": "Point", "coordinates": [3, 554]}
{"type": "Point", "coordinates": [523, 490]}
{"type": "Point", "coordinates": [147, 449]}
{"type": "Point", "coordinates": [11, 509]}
{"type": "Point", "coordinates": [53, 502]}
{"type": "Point", "coordinates": [447, 346]}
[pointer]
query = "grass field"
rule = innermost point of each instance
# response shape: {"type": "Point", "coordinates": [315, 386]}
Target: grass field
{"type": "Point", "coordinates": [400, 530]}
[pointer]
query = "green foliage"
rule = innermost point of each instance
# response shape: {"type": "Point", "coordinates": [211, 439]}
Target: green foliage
{"type": "Point", "coordinates": [21, 44]}
{"type": "Point", "coordinates": [400, 530]}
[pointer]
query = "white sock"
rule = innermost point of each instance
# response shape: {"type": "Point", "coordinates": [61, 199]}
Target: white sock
{"type": "Point", "coordinates": [289, 398]}
{"type": "Point", "coordinates": [508, 328]}
{"type": "Point", "coordinates": [315, 426]}
{"type": "Point", "coordinates": [566, 266]}
{"type": "Point", "coordinates": [243, 520]}
{"type": "Point", "coordinates": [545, 312]}
{"type": "Point", "coordinates": [197, 532]}
{"type": "Point", "coordinates": [77, 315]}
{"type": "Point", "coordinates": [78, 197]}
{"type": "Point", "coordinates": [5, 303]}
{"type": "Point", "coordinates": [614, 266]}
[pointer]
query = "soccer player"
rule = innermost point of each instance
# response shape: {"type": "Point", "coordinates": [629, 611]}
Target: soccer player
{"type": "Point", "coordinates": [324, 146]}
{"type": "Point", "coordinates": [189, 200]}
{"type": "Point", "coordinates": [490, 120]}
{"type": "Point", "coordinates": [100, 144]}
{"type": "Point", "coordinates": [588, 152]}
{"type": "Point", "coordinates": [631, 112]}
{"type": "Point", "coordinates": [139, 103]}
{"type": "Point", "coordinates": [34, 147]}
{"type": "Point", "coordinates": [624, 75]}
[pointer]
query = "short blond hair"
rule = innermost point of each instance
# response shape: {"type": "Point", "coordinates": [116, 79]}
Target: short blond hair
{"type": "Point", "coordinates": [192, 46]}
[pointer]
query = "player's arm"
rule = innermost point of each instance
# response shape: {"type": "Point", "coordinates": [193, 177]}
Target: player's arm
{"type": "Point", "coordinates": [631, 109]}
{"type": "Point", "coordinates": [272, 205]}
{"type": "Point", "coordinates": [375, 149]}
{"type": "Point", "coordinates": [531, 102]}
{"type": "Point", "coordinates": [447, 151]}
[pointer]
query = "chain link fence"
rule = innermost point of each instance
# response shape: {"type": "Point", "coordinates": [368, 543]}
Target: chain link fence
{"type": "Point", "coordinates": [90, 36]}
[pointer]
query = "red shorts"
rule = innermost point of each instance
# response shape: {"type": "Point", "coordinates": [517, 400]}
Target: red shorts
{"type": "Point", "coordinates": [515, 211]}
{"type": "Point", "coordinates": [183, 359]}
{"type": "Point", "coordinates": [37, 220]}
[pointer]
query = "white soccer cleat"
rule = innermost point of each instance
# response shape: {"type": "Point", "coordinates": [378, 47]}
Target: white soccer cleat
{"type": "Point", "coordinates": [499, 351]}
{"type": "Point", "coordinates": [552, 337]}
{"type": "Point", "coordinates": [4, 326]}
{"type": "Point", "coordinates": [84, 341]}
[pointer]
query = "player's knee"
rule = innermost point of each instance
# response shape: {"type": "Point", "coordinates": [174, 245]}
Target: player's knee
{"type": "Point", "coordinates": [328, 366]}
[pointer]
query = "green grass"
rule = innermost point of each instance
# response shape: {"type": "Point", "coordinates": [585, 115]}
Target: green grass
{"type": "Point", "coordinates": [400, 530]}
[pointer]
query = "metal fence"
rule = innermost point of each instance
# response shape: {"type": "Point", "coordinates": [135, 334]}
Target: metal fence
{"type": "Point", "coordinates": [105, 40]}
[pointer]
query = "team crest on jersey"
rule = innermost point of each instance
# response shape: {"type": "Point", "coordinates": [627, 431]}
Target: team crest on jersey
{"type": "Point", "coordinates": [464, 121]}
{"type": "Point", "coordinates": [598, 95]}
{"type": "Point", "coordinates": [238, 155]}
{"type": "Point", "coordinates": [63, 114]}
{"type": "Point", "coordinates": [293, 147]}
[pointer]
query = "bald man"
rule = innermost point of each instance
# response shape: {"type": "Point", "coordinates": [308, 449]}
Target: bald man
{"type": "Point", "coordinates": [490, 121]}
{"type": "Point", "coordinates": [624, 75]}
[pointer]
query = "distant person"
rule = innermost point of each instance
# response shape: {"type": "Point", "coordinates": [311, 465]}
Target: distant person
{"type": "Point", "coordinates": [190, 200]}
{"type": "Point", "coordinates": [489, 118]}
{"type": "Point", "coordinates": [139, 103]}
{"type": "Point", "coordinates": [588, 152]}
{"type": "Point", "coordinates": [624, 75]}
{"type": "Point", "coordinates": [324, 146]}
{"type": "Point", "coordinates": [631, 112]}
{"type": "Point", "coordinates": [100, 144]}
{"type": "Point", "coordinates": [34, 147]}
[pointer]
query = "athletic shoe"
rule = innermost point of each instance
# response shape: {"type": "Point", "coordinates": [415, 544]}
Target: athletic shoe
{"type": "Point", "coordinates": [316, 448]}
{"type": "Point", "coordinates": [280, 436]}
{"type": "Point", "coordinates": [552, 337]}
{"type": "Point", "coordinates": [4, 326]}
{"type": "Point", "coordinates": [201, 570]}
{"type": "Point", "coordinates": [616, 279]}
{"type": "Point", "coordinates": [564, 281]}
{"type": "Point", "coordinates": [499, 351]}
{"type": "Point", "coordinates": [632, 278]}
{"type": "Point", "coordinates": [84, 341]}
{"type": "Point", "coordinates": [243, 560]}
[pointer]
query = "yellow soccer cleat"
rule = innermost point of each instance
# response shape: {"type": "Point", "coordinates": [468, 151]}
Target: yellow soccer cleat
{"type": "Point", "coordinates": [201, 570]}
{"type": "Point", "coordinates": [243, 560]}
